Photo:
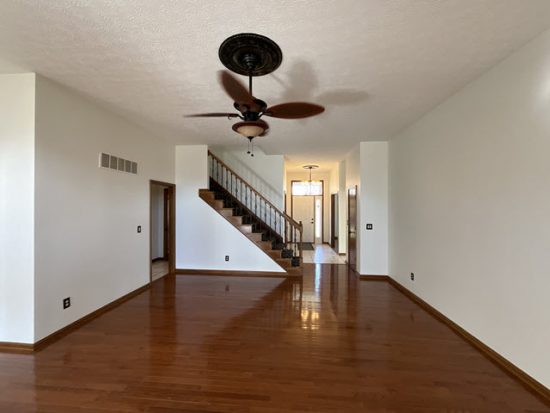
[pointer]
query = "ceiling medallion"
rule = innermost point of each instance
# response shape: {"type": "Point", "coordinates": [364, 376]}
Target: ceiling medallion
{"type": "Point", "coordinates": [250, 54]}
{"type": "Point", "coordinates": [310, 167]}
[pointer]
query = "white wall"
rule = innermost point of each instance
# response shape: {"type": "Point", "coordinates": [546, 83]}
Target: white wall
{"type": "Point", "coordinates": [16, 208]}
{"type": "Point", "coordinates": [86, 242]}
{"type": "Point", "coordinates": [203, 236]}
{"type": "Point", "coordinates": [470, 208]}
{"type": "Point", "coordinates": [157, 221]}
{"type": "Point", "coordinates": [374, 208]}
{"type": "Point", "coordinates": [353, 167]}
{"type": "Point", "coordinates": [342, 209]}
{"type": "Point", "coordinates": [265, 173]}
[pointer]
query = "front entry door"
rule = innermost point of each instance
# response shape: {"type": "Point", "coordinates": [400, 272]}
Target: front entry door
{"type": "Point", "coordinates": [303, 210]}
{"type": "Point", "coordinates": [352, 227]}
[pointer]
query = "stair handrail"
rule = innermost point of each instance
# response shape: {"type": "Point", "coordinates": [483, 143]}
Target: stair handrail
{"type": "Point", "coordinates": [291, 221]}
{"type": "Point", "coordinates": [287, 217]}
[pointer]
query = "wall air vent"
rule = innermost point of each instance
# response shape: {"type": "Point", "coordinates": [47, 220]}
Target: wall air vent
{"type": "Point", "coordinates": [114, 162]}
{"type": "Point", "coordinates": [104, 160]}
{"type": "Point", "coordinates": [117, 163]}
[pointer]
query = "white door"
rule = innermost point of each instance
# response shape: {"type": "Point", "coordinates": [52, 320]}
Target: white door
{"type": "Point", "coordinates": [303, 210]}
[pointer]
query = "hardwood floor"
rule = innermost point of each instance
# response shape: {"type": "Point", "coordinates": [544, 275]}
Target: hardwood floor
{"type": "Point", "coordinates": [329, 343]}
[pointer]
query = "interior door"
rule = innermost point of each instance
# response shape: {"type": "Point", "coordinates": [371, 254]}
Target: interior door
{"type": "Point", "coordinates": [303, 210]}
{"type": "Point", "coordinates": [352, 227]}
{"type": "Point", "coordinates": [168, 192]}
{"type": "Point", "coordinates": [334, 221]}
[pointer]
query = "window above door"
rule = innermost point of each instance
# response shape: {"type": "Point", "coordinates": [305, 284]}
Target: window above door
{"type": "Point", "coordinates": [307, 188]}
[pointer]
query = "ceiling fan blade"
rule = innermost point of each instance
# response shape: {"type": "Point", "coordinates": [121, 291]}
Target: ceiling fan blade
{"type": "Point", "coordinates": [234, 88]}
{"type": "Point", "coordinates": [213, 115]}
{"type": "Point", "coordinates": [266, 127]}
{"type": "Point", "coordinates": [294, 110]}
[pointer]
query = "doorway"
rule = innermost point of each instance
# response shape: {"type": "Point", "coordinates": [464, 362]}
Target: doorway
{"type": "Point", "coordinates": [352, 227]}
{"type": "Point", "coordinates": [162, 229]}
{"type": "Point", "coordinates": [308, 209]}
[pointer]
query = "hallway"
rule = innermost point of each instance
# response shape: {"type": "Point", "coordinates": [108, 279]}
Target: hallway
{"type": "Point", "coordinates": [326, 343]}
{"type": "Point", "coordinates": [322, 254]}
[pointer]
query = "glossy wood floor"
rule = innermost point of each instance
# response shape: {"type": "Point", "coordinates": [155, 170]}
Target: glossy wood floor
{"type": "Point", "coordinates": [228, 344]}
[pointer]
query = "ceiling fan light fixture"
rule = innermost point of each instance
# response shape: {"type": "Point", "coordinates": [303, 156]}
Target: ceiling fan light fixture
{"type": "Point", "coordinates": [250, 129]}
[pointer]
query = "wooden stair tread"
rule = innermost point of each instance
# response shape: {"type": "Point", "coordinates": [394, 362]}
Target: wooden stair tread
{"type": "Point", "coordinates": [226, 212]}
{"type": "Point", "coordinates": [294, 271]}
{"type": "Point", "coordinates": [245, 228]}
{"type": "Point", "coordinates": [236, 220]}
{"type": "Point", "coordinates": [216, 203]}
{"type": "Point", "coordinates": [284, 262]}
{"type": "Point", "coordinates": [274, 253]}
{"type": "Point", "coordinates": [265, 245]}
{"type": "Point", "coordinates": [255, 236]}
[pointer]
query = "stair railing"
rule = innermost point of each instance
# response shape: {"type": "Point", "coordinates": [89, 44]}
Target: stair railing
{"type": "Point", "coordinates": [278, 221]}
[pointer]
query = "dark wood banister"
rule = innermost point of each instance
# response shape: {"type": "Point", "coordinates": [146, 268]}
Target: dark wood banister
{"type": "Point", "coordinates": [287, 217]}
{"type": "Point", "coordinates": [295, 226]}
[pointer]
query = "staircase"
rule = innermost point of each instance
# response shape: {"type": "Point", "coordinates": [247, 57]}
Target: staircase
{"type": "Point", "coordinates": [273, 231]}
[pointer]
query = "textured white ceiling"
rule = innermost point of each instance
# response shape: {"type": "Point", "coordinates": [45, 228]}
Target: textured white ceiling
{"type": "Point", "coordinates": [377, 65]}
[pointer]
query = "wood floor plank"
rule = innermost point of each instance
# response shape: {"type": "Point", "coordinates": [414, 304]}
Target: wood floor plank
{"type": "Point", "coordinates": [326, 343]}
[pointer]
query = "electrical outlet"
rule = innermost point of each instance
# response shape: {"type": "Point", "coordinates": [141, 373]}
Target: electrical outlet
{"type": "Point", "coordinates": [369, 227]}
{"type": "Point", "coordinates": [227, 257]}
{"type": "Point", "coordinates": [139, 229]}
{"type": "Point", "coordinates": [66, 303]}
{"type": "Point", "coordinates": [412, 276]}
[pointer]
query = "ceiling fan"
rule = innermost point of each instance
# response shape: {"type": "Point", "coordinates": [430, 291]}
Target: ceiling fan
{"type": "Point", "coordinates": [253, 55]}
